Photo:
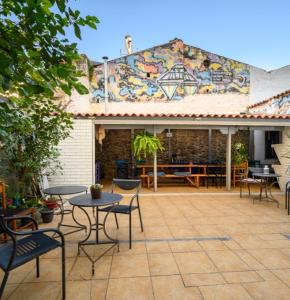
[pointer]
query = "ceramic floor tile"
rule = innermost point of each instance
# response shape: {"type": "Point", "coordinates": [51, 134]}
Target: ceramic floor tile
{"type": "Point", "coordinates": [249, 260]}
{"type": "Point", "coordinates": [283, 275]}
{"type": "Point", "coordinates": [271, 258]}
{"type": "Point", "coordinates": [227, 261]}
{"type": "Point", "coordinates": [157, 247]}
{"type": "Point", "coordinates": [162, 264]}
{"type": "Point", "coordinates": [194, 262]}
{"type": "Point", "coordinates": [224, 292]}
{"type": "Point", "coordinates": [129, 266]}
{"type": "Point", "coordinates": [172, 288]}
{"type": "Point", "coordinates": [184, 246]}
{"type": "Point", "coordinates": [130, 288]}
{"type": "Point", "coordinates": [98, 289]}
{"type": "Point", "coordinates": [202, 279]}
{"type": "Point", "coordinates": [242, 277]}
{"type": "Point", "coordinates": [213, 245]}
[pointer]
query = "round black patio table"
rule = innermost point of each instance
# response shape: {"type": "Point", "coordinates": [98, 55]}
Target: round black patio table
{"type": "Point", "coordinates": [86, 200]}
{"type": "Point", "coordinates": [62, 190]}
{"type": "Point", "coordinates": [267, 186]}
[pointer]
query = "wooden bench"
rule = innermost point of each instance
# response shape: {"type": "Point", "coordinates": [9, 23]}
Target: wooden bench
{"type": "Point", "coordinates": [193, 179]}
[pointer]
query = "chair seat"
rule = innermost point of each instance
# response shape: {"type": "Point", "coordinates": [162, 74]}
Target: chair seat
{"type": "Point", "coordinates": [251, 180]}
{"type": "Point", "coordinates": [121, 209]}
{"type": "Point", "coordinates": [28, 248]}
{"type": "Point", "coordinates": [182, 174]}
{"type": "Point", "coordinates": [160, 174]}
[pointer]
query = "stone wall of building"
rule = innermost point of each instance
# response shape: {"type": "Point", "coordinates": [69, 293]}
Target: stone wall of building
{"type": "Point", "coordinates": [187, 144]}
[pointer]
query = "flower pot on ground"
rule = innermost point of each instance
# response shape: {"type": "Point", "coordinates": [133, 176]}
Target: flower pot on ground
{"type": "Point", "coordinates": [47, 214]}
{"type": "Point", "coordinates": [51, 203]}
{"type": "Point", "coordinates": [96, 191]}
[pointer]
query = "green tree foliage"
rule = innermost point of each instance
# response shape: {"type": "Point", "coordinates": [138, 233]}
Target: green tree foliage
{"type": "Point", "coordinates": [146, 144]}
{"type": "Point", "coordinates": [240, 153]}
{"type": "Point", "coordinates": [36, 60]}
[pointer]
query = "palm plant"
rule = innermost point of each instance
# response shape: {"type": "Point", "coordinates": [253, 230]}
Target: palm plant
{"type": "Point", "coordinates": [145, 144]}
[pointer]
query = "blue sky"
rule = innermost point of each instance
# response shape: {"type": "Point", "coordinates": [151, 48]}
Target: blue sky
{"type": "Point", "coordinates": [252, 31]}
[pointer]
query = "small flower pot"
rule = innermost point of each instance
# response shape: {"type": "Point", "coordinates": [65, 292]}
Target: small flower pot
{"type": "Point", "coordinates": [51, 203]}
{"type": "Point", "coordinates": [47, 214]}
{"type": "Point", "coordinates": [96, 193]}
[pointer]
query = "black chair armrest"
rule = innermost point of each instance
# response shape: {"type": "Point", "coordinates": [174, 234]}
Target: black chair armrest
{"type": "Point", "coordinates": [132, 199]}
{"type": "Point", "coordinates": [22, 218]}
{"type": "Point", "coordinates": [45, 230]}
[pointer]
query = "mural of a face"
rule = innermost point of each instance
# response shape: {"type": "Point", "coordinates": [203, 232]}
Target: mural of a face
{"type": "Point", "coordinates": [170, 72]}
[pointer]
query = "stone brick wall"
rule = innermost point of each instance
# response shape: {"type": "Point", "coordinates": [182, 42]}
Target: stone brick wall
{"type": "Point", "coordinates": [187, 144]}
{"type": "Point", "coordinates": [116, 145]}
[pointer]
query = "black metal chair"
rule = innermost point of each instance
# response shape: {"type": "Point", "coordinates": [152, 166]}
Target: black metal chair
{"type": "Point", "coordinates": [126, 184]}
{"type": "Point", "coordinates": [250, 180]}
{"type": "Point", "coordinates": [26, 246]}
{"type": "Point", "coordinates": [287, 196]}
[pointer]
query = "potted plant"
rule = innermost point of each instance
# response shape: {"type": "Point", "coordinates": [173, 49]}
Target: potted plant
{"type": "Point", "coordinates": [52, 202]}
{"type": "Point", "coordinates": [96, 191]}
{"type": "Point", "coordinates": [240, 153]}
{"type": "Point", "coordinates": [145, 144]}
{"type": "Point", "coordinates": [47, 214]}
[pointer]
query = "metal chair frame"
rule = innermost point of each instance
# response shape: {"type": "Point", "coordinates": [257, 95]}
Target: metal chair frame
{"type": "Point", "coordinates": [22, 249]}
{"type": "Point", "coordinates": [287, 197]}
{"type": "Point", "coordinates": [126, 184]}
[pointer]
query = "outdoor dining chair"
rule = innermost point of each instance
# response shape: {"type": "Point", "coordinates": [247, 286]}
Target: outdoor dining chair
{"type": "Point", "coordinates": [248, 181]}
{"type": "Point", "coordinates": [287, 196]}
{"type": "Point", "coordinates": [27, 245]}
{"type": "Point", "coordinates": [128, 185]}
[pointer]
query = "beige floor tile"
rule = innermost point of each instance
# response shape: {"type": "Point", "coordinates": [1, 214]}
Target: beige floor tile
{"type": "Point", "coordinates": [162, 264]}
{"type": "Point", "coordinates": [50, 270]}
{"type": "Point", "coordinates": [19, 274]}
{"type": "Point", "coordinates": [249, 260]}
{"type": "Point", "coordinates": [98, 289]}
{"type": "Point", "coordinates": [9, 289]}
{"type": "Point", "coordinates": [227, 261]}
{"type": "Point", "coordinates": [242, 277]}
{"type": "Point", "coordinates": [130, 288]}
{"type": "Point", "coordinates": [129, 266]}
{"type": "Point", "coordinates": [194, 262]}
{"type": "Point", "coordinates": [77, 290]}
{"type": "Point", "coordinates": [137, 248]}
{"type": "Point", "coordinates": [208, 245]}
{"type": "Point", "coordinates": [202, 279]}
{"type": "Point", "coordinates": [225, 292]}
{"type": "Point", "coordinates": [36, 291]}
{"type": "Point", "coordinates": [233, 245]}
{"type": "Point", "coordinates": [271, 258]}
{"type": "Point", "coordinates": [158, 247]}
{"type": "Point", "coordinates": [172, 288]}
{"type": "Point", "coordinates": [283, 275]}
{"type": "Point", "coordinates": [82, 269]}
{"type": "Point", "coordinates": [157, 232]}
{"type": "Point", "coordinates": [184, 246]}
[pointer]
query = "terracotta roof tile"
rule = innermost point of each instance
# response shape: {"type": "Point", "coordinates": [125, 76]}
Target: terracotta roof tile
{"type": "Point", "coordinates": [162, 115]}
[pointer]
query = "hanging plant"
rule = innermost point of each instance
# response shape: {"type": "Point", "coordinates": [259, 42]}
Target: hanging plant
{"type": "Point", "coordinates": [240, 153]}
{"type": "Point", "coordinates": [146, 144]}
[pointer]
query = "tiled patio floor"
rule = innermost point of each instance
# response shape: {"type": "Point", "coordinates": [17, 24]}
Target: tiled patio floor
{"type": "Point", "coordinates": [193, 247]}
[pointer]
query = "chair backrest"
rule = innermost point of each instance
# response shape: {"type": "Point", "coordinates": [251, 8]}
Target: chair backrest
{"type": "Point", "coordinates": [127, 184]}
{"type": "Point", "coordinates": [3, 195]}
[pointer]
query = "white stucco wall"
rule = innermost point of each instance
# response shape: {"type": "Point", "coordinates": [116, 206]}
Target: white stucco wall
{"type": "Point", "coordinates": [77, 156]}
{"type": "Point", "coordinates": [264, 85]}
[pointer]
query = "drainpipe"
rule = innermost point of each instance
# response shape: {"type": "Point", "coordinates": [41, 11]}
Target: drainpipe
{"type": "Point", "coordinates": [155, 164]}
{"type": "Point", "coordinates": [105, 58]}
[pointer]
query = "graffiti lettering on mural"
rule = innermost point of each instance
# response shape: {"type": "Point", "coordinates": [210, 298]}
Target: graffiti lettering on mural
{"type": "Point", "coordinates": [170, 72]}
{"type": "Point", "coordinates": [279, 105]}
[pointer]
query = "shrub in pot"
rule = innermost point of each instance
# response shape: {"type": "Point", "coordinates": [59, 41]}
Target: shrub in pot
{"type": "Point", "coordinates": [96, 191]}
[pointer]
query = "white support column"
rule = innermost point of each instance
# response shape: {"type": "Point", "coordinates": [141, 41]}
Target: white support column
{"type": "Point", "coordinates": [229, 159]}
{"type": "Point", "coordinates": [155, 164]}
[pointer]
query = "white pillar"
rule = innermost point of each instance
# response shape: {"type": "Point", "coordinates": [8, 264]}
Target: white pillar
{"type": "Point", "coordinates": [105, 58]}
{"type": "Point", "coordinates": [155, 164]}
{"type": "Point", "coordinates": [229, 159]}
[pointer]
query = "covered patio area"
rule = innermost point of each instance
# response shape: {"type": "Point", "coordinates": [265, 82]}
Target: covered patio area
{"type": "Point", "coordinates": [193, 247]}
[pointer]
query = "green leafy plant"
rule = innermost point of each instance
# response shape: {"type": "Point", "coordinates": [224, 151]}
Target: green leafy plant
{"type": "Point", "coordinates": [145, 144]}
{"type": "Point", "coordinates": [240, 153]}
{"type": "Point", "coordinates": [36, 60]}
{"type": "Point", "coordinates": [97, 186]}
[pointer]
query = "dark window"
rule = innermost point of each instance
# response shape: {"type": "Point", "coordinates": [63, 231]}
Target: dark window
{"type": "Point", "coordinates": [148, 75]}
{"type": "Point", "coordinates": [271, 137]}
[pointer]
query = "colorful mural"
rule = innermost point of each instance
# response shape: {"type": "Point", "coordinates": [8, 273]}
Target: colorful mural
{"type": "Point", "coordinates": [276, 105]}
{"type": "Point", "coordinates": [170, 72]}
